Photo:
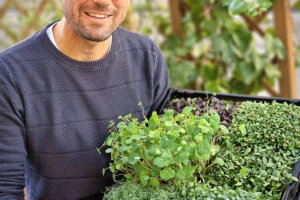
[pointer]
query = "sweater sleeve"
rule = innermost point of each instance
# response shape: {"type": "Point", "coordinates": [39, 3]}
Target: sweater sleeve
{"type": "Point", "coordinates": [12, 141]}
{"type": "Point", "coordinates": [161, 82]}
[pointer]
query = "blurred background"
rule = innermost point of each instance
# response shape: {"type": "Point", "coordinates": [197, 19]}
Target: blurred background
{"type": "Point", "coordinates": [225, 46]}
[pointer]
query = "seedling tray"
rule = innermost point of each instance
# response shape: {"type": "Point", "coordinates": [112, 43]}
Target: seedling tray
{"type": "Point", "coordinates": [179, 93]}
{"type": "Point", "coordinates": [292, 191]}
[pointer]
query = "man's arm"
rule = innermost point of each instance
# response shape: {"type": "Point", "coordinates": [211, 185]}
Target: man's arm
{"type": "Point", "coordinates": [12, 140]}
{"type": "Point", "coordinates": [161, 82]}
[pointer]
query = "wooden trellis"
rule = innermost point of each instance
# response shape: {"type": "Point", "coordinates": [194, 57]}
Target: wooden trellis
{"type": "Point", "coordinates": [19, 9]}
{"type": "Point", "coordinates": [283, 29]}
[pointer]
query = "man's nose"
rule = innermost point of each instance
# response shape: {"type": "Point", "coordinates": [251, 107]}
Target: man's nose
{"type": "Point", "coordinates": [102, 2]}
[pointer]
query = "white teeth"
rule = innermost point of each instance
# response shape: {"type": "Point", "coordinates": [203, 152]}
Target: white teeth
{"type": "Point", "coordinates": [97, 15]}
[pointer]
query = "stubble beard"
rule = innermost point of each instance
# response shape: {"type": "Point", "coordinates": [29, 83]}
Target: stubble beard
{"type": "Point", "coordinates": [83, 31]}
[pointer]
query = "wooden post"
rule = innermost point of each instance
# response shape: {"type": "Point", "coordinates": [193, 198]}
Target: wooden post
{"type": "Point", "coordinates": [284, 30]}
{"type": "Point", "coordinates": [176, 16]}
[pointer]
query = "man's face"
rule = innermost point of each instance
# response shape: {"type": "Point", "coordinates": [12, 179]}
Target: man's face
{"type": "Point", "coordinates": [95, 20]}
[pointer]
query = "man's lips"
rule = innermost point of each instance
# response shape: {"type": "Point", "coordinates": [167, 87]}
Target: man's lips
{"type": "Point", "coordinates": [97, 15]}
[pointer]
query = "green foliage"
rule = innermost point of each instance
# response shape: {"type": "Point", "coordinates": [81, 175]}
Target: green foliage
{"type": "Point", "coordinates": [165, 148]}
{"type": "Point", "coordinates": [185, 191]}
{"type": "Point", "coordinates": [252, 7]}
{"type": "Point", "coordinates": [133, 191]}
{"type": "Point", "coordinates": [297, 56]}
{"type": "Point", "coordinates": [194, 157]}
{"type": "Point", "coordinates": [262, 147]}
{"type": "Point", "coordinates": [215, 51]}
{"type": "Point", "coordinates": [296, 5]}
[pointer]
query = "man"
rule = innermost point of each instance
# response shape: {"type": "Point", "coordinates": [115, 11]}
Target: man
{"type": "Point", "coordinates": [58, 91]}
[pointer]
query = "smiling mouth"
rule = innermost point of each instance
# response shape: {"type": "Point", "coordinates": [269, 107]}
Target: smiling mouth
{"type": "Point", "coordinates": [97, 16]}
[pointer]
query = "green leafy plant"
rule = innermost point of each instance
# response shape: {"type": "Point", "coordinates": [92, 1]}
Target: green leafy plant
{"type": "Point", "coordinates": [252, 7]}
{"type": "Point", "coordinates": [184, 191]}
{"type": "Point", "coordinates": [131, 190]}
{"type": "Point", "coordinates": [201, 106]}
{"type": "Point", "coordinates": [216, 51]}
{"type": "Point", "coordinates": [262, 147]}
{"type": "Point", "coordinates": [165, 149]}
{"type": "Point", "coordinates": [185, 156]}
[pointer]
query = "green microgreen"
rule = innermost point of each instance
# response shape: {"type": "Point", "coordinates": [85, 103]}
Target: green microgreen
{"type": "Point", "coordinates": [262, 148]}
{"type": "Point", "coordinates": [186, 156]}
{"type": "Point", "coordinates": [165, 148]}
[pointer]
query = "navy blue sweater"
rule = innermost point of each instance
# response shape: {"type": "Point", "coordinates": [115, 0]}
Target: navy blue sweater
{"type": "Point", "coordinates": [54, 112]}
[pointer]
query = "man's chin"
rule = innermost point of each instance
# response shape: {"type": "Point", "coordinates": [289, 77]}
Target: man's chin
{"type": "Point", "coordinates": [95, 39]}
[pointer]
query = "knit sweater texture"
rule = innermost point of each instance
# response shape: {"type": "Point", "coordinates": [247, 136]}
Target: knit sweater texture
{"type": "Point", "coordinates": [54, 112]}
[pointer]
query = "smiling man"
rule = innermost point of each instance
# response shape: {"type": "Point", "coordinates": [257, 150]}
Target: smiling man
{"type": "Point", "coordinates": [60, 88]}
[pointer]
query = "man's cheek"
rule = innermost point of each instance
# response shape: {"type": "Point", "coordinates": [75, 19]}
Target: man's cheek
{"type": "Point", "coordinates": [121, 3]}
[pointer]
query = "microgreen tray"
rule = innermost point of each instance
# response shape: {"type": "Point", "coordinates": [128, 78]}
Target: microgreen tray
{"type": "Point", "coordinates": [179, 93]}
{"type": "Point", "coordinates": [292, 191]}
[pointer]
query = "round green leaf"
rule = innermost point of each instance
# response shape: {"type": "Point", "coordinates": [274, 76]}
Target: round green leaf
{"type": "Point", "coordinates": [203, 150]}
{"type": "Point", "coordinates": [186, 172]}
{"type": "Point", "coordinates": [220, 161]}
{"type": "Point", "coordinates": [144, 179]}
{"type": "Point", "coordinates": [167, 174]}
{"type": "Point", "coordinates": [154, 182]}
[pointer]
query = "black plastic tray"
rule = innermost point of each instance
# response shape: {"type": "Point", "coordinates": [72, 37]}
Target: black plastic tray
{"type": "Point", "coordinates": [292, 190]}
{"type": "Point", "coordinates": [179, 93]}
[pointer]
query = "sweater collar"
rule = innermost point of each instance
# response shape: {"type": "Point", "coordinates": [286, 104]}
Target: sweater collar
{"type": "Point", "coordinates": [106, 60]}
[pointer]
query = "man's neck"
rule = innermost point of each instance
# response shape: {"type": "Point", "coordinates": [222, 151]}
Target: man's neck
{"type": "Point", "coordinates": [75, 46]}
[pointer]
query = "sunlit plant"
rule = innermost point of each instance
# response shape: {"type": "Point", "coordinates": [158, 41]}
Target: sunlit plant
{"type": "Point", "coordinates": [163, 149]}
